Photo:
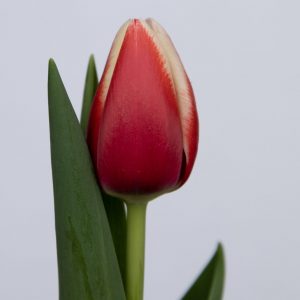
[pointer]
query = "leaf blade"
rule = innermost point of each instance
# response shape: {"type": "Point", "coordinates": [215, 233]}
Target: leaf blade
{"type": "Point", "coordinates": [87, 263]}
{"type": "Point", "coordinates": [210, 283]}
{"type": "Point", "coordinates": [116, 214]}
{"type": "Point", "coordinates": [90, 87]}
{"type": "Point", "coordinates": [114, 207]}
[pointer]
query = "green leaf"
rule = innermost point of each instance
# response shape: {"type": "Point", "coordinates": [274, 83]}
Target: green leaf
{"type": "Point", "coordinates": [115, 211]}
{"type": "Point", "coordinates": [115, 208]}
{"type": "Point", "coordinates": [87, 264]}
{"type": "Point", "coordinates": [91, 83]}
{"type": "Point", "coordinates": [209, 285]}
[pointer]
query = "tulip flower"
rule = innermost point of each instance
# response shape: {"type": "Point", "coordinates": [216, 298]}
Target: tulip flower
{"type": "Point", "coordinates": [143, 126]}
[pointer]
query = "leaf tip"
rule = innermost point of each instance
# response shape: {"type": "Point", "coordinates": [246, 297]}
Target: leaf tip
{"type": "Point", "coordinates": [92, 58]}
{"type": "Point", "coordinates": [220, 255]}
{"type": "Point", "coordinates": [220, 249]}
{"type": "Point", "coordinates": [92, 63]}
{"type": "Point", "coordinates": [51, 63]}
{"type": "Point", "coordinates": [52, 70]}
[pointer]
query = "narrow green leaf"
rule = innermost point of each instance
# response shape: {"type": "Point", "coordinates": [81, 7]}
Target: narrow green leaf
{"type": "Point", "coordinates": [87, 264]}
{"type": "Point", "coordinates": [91, 83]}
{"type": "Point", "coordinates": [115, 211]}
{"type": "Point", "coordinates": [115, 208]}
{"type": "Point", "coordinates": [209, 285]}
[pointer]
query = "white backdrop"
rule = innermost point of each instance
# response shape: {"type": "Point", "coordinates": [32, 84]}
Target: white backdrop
{"type": "Point", "coordinates": [243, 58]}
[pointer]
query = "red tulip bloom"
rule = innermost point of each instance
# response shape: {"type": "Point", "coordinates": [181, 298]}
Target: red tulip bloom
{"type": "Point", "coordinates": [143, 127]}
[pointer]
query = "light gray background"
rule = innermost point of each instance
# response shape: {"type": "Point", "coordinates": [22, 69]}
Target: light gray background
{"type": "Point", "coordinates": [243, 60]}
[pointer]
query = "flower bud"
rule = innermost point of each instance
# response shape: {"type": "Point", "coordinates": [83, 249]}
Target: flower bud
{"type": "Point", "coordinates": [143, 126]}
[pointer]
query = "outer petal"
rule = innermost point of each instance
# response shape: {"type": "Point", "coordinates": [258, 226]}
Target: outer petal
{"type": "Point", "coordinates": [101, 93]}
{"type": "Point", "coordinates": [140, 141]}
{"type": "Point", "coordinates": [185, 98]}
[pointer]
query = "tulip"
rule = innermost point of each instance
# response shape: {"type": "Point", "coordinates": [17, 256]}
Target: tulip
{"type": "Point", "coordinates": [143, 126]}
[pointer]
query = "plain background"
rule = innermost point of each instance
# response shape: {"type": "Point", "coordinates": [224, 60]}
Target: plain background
{"type": "Point", "coordinates": [243, 60]}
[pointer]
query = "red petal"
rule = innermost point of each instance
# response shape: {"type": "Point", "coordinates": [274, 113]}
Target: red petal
{"type": "Point", "coordinates": [140, 142]}
{"type": "Point", "coordinates": [100, 97]}
{"type": "Point", "coordinates": [185, 98]}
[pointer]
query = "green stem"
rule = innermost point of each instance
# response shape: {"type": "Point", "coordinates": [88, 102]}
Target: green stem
{"type": "Point", "coordinates": [135, 252]}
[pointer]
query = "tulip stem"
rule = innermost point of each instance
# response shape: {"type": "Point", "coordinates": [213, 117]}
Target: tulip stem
{"type": "Point", "coordinates": [135, 252]}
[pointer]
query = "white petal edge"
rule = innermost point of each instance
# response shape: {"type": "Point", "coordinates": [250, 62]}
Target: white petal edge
{"type": "Point", "coordinates": [112, 60]}
{"type": "Point", "coordinates": [185, 96]}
